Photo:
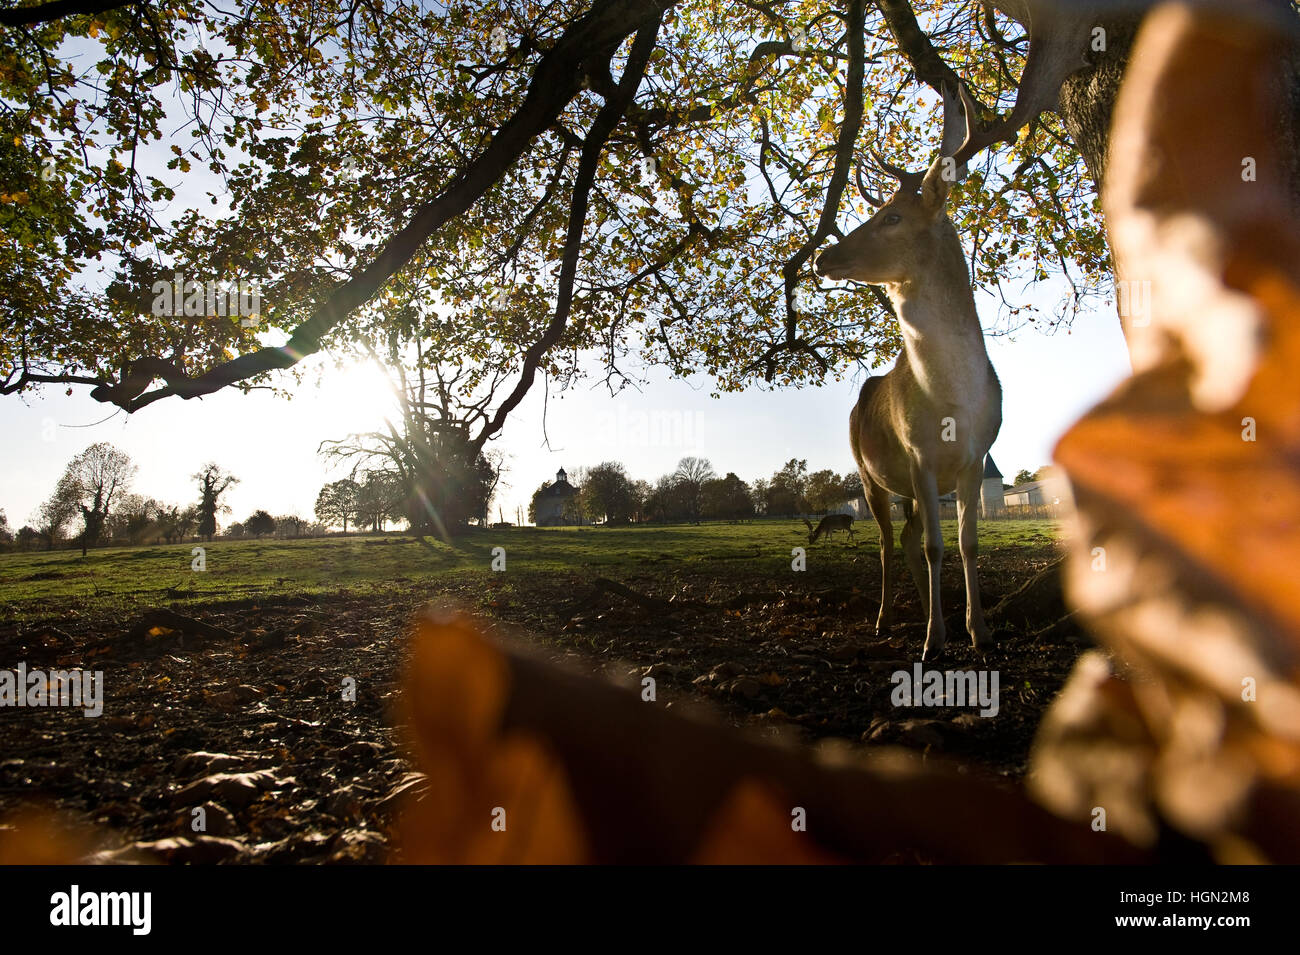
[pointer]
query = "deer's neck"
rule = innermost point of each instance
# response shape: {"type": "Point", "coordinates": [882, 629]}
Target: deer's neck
{"type": "Point", "coordinates": [942, 339]}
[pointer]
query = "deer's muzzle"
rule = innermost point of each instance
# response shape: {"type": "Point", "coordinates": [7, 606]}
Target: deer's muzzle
{"type": "Point", "coordinates": [829, 263]}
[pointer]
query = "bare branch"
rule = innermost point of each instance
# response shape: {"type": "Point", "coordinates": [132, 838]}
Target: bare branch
{"type": "Point", "coordinates": [606, 119]}
{"type": "Point", "coordinates": [848, 136]}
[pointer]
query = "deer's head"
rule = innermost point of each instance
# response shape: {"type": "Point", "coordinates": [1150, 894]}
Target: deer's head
{"type": "Point", "coordinates": [901, 241]}
{"type": "Point", "coordinates": [908, 233]}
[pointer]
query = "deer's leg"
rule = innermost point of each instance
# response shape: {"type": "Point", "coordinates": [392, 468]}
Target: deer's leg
{"type": "Point", "coordinates": [927, 499]}
{"type": "Point", "coordinates": [911, 541]}
{"type": "Point", "coordinates": [968, 502]}
{"type": "Point", "coordinates": [878, 501]}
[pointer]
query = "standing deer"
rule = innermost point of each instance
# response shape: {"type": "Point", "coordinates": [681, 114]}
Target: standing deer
{"type": "Point", "coordinates": [924, 428]}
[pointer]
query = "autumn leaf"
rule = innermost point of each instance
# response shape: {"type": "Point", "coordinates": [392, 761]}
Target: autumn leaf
{"type": "Point", "coordinates": [1187, 478]}
{"type": "Point", "coordinates": [492, 798]}
{"type": "Point", "coordinates": [526, 762]}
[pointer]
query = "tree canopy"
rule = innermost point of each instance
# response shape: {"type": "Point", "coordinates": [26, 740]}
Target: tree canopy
{"type": "Point", "coordinates": [514, 186]}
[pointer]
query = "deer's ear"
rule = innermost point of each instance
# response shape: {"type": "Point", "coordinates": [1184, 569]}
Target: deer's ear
{"type": "Point", "coordinates": [936, 184]}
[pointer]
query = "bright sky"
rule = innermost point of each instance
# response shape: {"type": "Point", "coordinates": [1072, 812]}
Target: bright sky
{"type": "Point", "coordinates": [270, 443]}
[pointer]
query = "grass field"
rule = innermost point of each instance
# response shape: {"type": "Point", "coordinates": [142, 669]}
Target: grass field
{"type": "Point", "coordinates": [122, 579]}
{"type": "Point", "coordinates": [237, 669]}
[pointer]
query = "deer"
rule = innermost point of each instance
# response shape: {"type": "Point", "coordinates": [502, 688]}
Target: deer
{"type": "Point", "coordinates": [924, 428]}
{"type": "Point", "coordinates": [828, 525]}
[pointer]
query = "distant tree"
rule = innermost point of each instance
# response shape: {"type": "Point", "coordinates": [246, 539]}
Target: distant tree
{"type": "Point", "coordinates": [758, 492]}
{"type": "Point", "coordinates": [94, 480]}
{"type": "Point", "coordinates": [825, 491]}
{"type": "Point", "coordinates": [57, 512]}
{"type": "Point", "coordinates": [793, 475]}
{"type": "Point", "coordinates": [213, 482]}
{"type": "Point", "coordinates": [787, 491]}
{"type": "Point", "coordinates": [235, 530]}
{"type": "Point", "coordinates": [165, 520]}
{"type": "Point", "coordinates": [187, 519]}
{"type": "Point", "coordinates": [656, 502]}
{"type": "Point", "coordinates": [27, 537]}
{"type": "Point", "coordinates": [852, 486]}
{"type": "Point", "coordinates": [5, 534]}
{"type": "Point", "coordinates": [338, 502]}
{"type": "Point", "coordinates": [135, 520]}
{"type": "Point", "coordinates": [726, 498]}
{"type": "Point", "coordinates": [641, 491]}
{"type": "Point", "coordinates": [667, 501]}
{"type": "Point", "coordinates": [535, 500]}
{"type": "Point", "coordinates": [447, 481]}
{"type": "Point", "coordinates": [175, 522]}
{"type": "Point", "coordinates": [690, 476]}
{"type": "Point", "coordinates": [381, 499]}
{"type": "Point", "coordinates": [290, 525]}
{"type": "Point", "coordinates": [607, 494]}
{"type": "Point", "coordinates": [1023, 477]}
{"type": "Point", "coordinates": [259, 524]}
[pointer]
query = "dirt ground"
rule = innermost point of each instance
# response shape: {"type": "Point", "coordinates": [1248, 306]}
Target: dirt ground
{"type": "Point", "coordinates": [246, 719]}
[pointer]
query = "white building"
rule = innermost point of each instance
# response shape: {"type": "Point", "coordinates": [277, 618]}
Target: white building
{"type": "Point", "coordinates": [991, 499]}
{"type": "Point", "coordinates": [1051, 491]}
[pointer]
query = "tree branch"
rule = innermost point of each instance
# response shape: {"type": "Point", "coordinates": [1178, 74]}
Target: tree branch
{"type": "Point", "coordinates": [931, 68]}
{"type": "Point", "coordinates": [555, 81]}
{"type": "Point", "coordinates": [57, 9]}
{"type": "Point", "coordinates": [844, 146]}
{"type": "Point", "coordinates": [606, 119]}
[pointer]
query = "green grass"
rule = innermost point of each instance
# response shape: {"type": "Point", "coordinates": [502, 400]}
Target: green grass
{"type": "Point", "coordinates": [128, 578]}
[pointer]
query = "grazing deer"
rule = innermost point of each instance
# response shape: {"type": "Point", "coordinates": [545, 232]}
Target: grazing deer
{"type": "Point", "coordinates": [924, 428]}
{"type": "Point", "coordinates": [829, 525]}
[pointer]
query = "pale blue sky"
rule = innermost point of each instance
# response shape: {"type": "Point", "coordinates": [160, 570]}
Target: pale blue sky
{"type": "Point", "coordinates": [270, 442]}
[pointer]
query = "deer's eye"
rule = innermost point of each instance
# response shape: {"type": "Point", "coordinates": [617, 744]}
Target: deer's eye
{"type": "Point", "coordinates": [893, 219]}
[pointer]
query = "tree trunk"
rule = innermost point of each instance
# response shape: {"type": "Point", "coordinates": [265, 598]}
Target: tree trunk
{"type": "Point", "coordinates": [1088, 97]}
{"type": "Point", "coordinates": [1087, 100]}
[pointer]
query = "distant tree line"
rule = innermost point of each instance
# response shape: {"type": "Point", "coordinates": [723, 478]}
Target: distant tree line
{"type": "Point", "coordinates": [694, 492]}
{"type": "Point", "coordinates": [93, 504]}
{"type": "Point", "coordinates": [262, 524]}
